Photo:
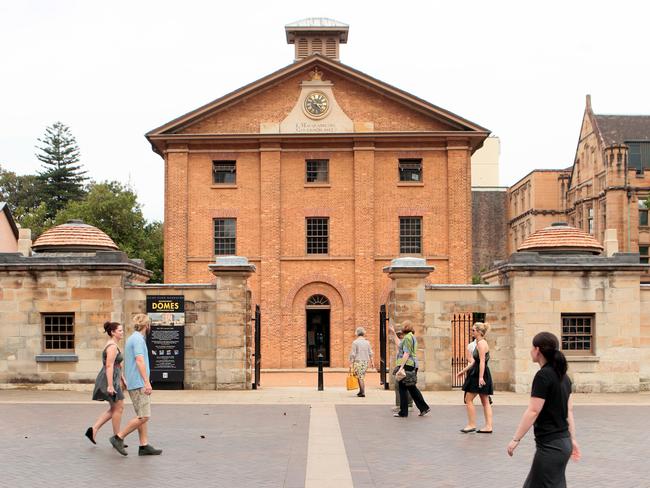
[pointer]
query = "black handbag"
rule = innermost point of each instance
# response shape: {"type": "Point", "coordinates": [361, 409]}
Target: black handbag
{"type": "Point", "coordinates": [411, 378]}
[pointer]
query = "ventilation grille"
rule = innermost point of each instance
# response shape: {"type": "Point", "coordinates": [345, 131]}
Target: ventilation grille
{"type": "Point", "coordinates": [302, 48]}
{"type": "Point", "coordinates": [330, 48]}
{"type": "Point", "coordinates": [316, 46]}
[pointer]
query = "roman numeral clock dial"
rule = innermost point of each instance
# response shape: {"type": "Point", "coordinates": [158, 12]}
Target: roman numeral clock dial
{"type": "Point", "coordinates": [316, 105]}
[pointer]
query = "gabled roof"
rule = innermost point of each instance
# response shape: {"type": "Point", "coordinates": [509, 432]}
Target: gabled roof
{"type": "Point", "coordinates": [616, 129]}
{"type": "Point", "coordinates": [4, 207]}
{"type": "Point", "coordinates": [352, 74]}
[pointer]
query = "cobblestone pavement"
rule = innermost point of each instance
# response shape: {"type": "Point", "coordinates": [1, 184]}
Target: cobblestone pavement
{"type": "Point", "coordinates": [430, 452]}
{"type": "Point", "coordinates": [244, 446]}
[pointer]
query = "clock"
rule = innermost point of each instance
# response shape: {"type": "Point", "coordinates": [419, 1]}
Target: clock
{"type": "Point", "coordinates": [316, 105]}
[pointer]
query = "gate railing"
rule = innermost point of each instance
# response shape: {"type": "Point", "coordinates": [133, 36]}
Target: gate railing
{"type": "Point", "coordinates": [258, 347]}
{"type": "Point", "coordinates": [461, 326]}
{"type": "Point", "coordinates": [383, 319]}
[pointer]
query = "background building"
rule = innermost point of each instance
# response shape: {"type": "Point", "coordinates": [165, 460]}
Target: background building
{"type": "Point", "coordinates": [320, 175]}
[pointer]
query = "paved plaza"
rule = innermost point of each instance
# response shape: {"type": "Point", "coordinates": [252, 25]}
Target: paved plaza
{"type": "Point", "coordinates": [296, 437]}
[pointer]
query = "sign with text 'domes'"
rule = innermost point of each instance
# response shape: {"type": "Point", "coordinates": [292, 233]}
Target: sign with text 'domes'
{"type": "Point", "coordinates": [166, 340]}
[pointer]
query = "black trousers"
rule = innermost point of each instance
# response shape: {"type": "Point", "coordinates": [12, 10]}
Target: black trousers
{"type": "Point", "coordinates": [404, 392]}
{"type": "Point", "coordinates": [549, 464]}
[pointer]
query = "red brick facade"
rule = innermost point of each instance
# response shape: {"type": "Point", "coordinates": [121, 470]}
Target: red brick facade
{"type": "Point", "coordinates": [363, 200]}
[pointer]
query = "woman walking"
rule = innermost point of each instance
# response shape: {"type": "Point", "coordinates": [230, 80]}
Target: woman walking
{"type": "Point", "coordinates": [109, 382]}
{"type": "Point", "coordinates": [408, 369]}
{"type": "Point", "coordinates": [360, 356]}
{"type": "Point", "coordinates": [397, 338]}
{"type": "Point", "coordinates": [478, 381]}
{"type": "Point", "coordinates": [551, 411]}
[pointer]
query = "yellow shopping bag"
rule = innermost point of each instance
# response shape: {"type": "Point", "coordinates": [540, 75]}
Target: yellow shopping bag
{"type": "Point", "coordinates": [352, 383]}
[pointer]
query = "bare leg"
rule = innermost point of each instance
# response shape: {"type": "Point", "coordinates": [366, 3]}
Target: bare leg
{"type": "Point", "coordinates": [471, 411]}
{"type": "Point", "coordinates": [133, 424]}
{"type": "Point", "coordinates": [143, 433]}
{"type": "Point", "coordinates": [101, 420]}
{"type": "Point", "coordinates": [487, 411]}
{"type": "Point", "coordinates": [117, 408]}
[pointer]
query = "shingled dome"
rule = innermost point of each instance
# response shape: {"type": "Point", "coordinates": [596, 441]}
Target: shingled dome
{"type": "Point", "coordinates": [561, 238]}
{"type": "Point", "coordinates": [74, 236]}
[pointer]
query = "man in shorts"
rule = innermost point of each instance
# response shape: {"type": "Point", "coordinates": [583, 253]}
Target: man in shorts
{"type": "Point", "coordinates": [136, 369]}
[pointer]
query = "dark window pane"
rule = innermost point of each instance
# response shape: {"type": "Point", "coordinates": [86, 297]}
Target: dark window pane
{"type": "Point", "coordinates": [224, 172]}
{"type": "Point", "coordinates": [58, 332]}
{"type": "Point", "coordinates": [410, 169]}
{"type": "Point", "coordinates": [317, 171]}
{"type": "Point", "coordinates": [317, 235]}
{"type": "Point", "coordinates": [410, 235]}
{"type": "Point", "coordinates": [224, 236]}
{"type": "Point", "coordinates": [577, 333]}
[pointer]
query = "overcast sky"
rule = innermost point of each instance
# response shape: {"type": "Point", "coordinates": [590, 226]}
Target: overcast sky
{"type": "Point", "coordinates": [114, 70]}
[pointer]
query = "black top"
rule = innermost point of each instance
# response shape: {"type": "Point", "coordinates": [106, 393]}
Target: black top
{"type": "Point", "coordinates": [552, 422]}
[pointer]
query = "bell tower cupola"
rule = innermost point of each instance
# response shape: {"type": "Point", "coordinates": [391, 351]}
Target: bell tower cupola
{"type": "Point", "coordinates": [317, 35]}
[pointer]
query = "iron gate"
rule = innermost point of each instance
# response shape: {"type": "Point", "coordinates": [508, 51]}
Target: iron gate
{"type": "Point", "coordinates": [461, 336]}
{"type": "Point", "coordinates": [383, 319]}
{"type": "Point", "coordinates": [258, 347]}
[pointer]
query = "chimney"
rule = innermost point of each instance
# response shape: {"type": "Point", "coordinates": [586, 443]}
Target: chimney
{"type": "Point", "coordinates": [317, 35]}
{"type": "Point", "coordinates": [611, 242]}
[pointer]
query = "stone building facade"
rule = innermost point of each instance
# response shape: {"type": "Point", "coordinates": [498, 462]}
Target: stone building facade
{"type": "Point", "coordinates": [54, 302]}
{"type": "Point", "coordinates": [320, 175]}
{"type": "Point", "coordinates": [606, 187]}
{"type": "Point", "coordinates": [594, 304]}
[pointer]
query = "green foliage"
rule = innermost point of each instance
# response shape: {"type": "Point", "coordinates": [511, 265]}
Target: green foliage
{"type": "Point", "coordinates": [114, 208]}
{"type": "Point", "coordinates": [62, 176]}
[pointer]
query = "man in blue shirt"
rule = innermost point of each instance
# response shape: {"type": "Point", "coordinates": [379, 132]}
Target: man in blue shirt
{"type": "Point", "coordinates": [136, 370]}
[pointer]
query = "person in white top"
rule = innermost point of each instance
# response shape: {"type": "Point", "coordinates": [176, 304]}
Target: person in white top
{"type": "Point", "coordinates": [360, 356]}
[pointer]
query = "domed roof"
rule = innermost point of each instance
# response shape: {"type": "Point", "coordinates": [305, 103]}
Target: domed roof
{"type": "Point", "coordinates": [74, 236]}
{"type": "Point", "coordinates": [560, 237]}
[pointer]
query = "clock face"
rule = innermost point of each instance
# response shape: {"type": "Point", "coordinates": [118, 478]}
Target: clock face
{"type": "Point", "coordinates": [316, 104]}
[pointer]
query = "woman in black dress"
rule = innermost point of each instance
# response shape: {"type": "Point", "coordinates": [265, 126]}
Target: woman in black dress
{"type": "Point", "coordinates": [478, 381]}
{"type": "Point", "coordinates": [109, 382]}
{"type": "Point", "coordinates": [551, 411]}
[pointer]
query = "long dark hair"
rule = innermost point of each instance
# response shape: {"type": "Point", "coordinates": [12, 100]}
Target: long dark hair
{"type": "Point", "coordinates": [109, 327]}
{"type": "Point", "coordinates": [550, 349]}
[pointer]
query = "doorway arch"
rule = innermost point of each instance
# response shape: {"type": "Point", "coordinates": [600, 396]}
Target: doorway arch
{"type": "Point", "coordinates": [317, 314]}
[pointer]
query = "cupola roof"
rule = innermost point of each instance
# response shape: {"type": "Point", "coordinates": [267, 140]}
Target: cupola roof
{"type": "Point", "coordinates": [74, 236]}
{"type": "Point", "coordinates": [561, 238]}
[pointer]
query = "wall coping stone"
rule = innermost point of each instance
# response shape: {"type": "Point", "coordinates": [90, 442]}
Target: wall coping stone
{"type": "Point", "coordinates": [435, 286]}
{"type": "Point", "coordinates": [582, 359]}
{"type": "Point", "coordinates": [100, 260]}
{"type": "Point", "coordinates": [56, 358]}
{"type": "Point", "coordinates": [231, 264]}
{"type": "Point", "coordinates": [146, 286]}
{"type": "Point", "coordinates": [409, 265]}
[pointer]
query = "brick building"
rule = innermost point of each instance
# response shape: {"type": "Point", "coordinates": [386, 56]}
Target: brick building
{"type": "Point", "coordinates": [319, 174]}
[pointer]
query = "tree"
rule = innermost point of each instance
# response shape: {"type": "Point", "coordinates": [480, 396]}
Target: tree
{"type": "Point", "coordinates": [114, 208]}
{"type": "Point", "coordinates": [24, 195]}
{"type": "Point", "coordinates": [62, 176]}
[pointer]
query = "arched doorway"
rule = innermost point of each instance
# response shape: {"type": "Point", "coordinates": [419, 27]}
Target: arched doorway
{"type": "Point", "coordinates": [318, 329]}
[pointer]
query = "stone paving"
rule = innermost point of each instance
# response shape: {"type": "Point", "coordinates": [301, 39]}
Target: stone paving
{"type": "Point", "coordinates": [429, 451]}
{"type": "Point", "coordinates": [297, 437]}
{"type": "Point", "coordinates": [243, 446]}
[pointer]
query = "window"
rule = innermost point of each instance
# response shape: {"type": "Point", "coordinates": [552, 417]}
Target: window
{"type": "Point", "coordinates": [317, 235]}
{"type": "Point", "coordinates": [643, 254]}
{"type": "Point", "coordinates": [225, 231]}
{"type": "Point", "coordinates": [590, 220]}
{"type": "Point", "coordinates": [224, 172]}
{"type": "Point", "coordinates": [410, 235]}
{"type": "Point", "coordinates": [317, 171]}
{"type": "Point", "coordinates": [410, 170]}
{"type": "Point", "coordinates": [577, 333]}
{"type": "Point", "coordinates": [58, 332]}
{"type": "Point", "coordinates": [643, 213]}
{"type": "Point", "coordinates": [639, 155]}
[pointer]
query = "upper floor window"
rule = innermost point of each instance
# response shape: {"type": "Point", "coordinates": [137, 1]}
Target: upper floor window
{"type": "Point", "coordinates": [317, 171]}
{"type": "Point", "coordinates": [590, 220]}
{"type": "Point", "coordinates": [410, 235]}
{"type": "Point", "coordinates": [317, 235]}
{"type": "Point", "coordinates": [58, 332]}
{"type": "Point", "coordinates": [410, 170]}
{"type": "Point", "coordinates": [224, 172]}
{"type": "Point", "coordinates": [225, 233]}
{"type": "Point", "coordinates": [639, 155]}
{"type": "Point", "coordinates": [643, 254]}
{"type": "Point", "coordinates": [643, 213]}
